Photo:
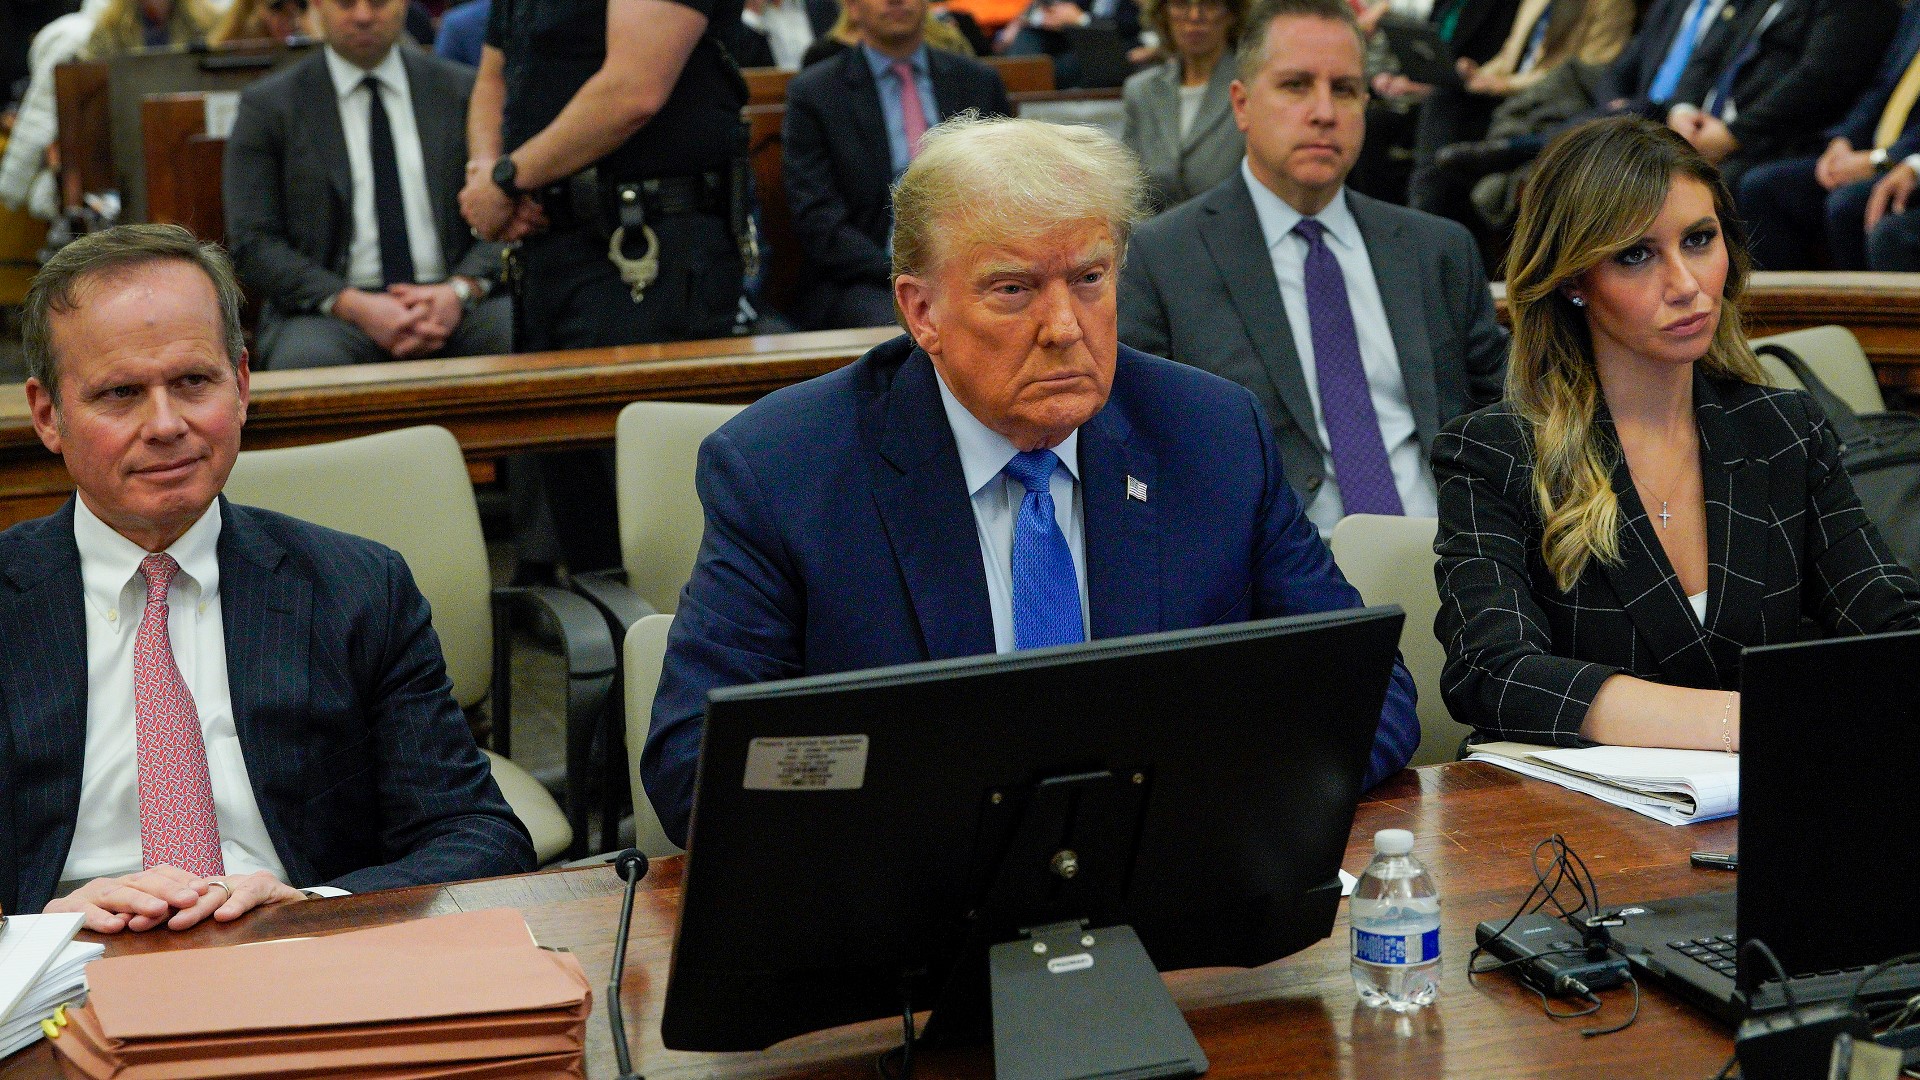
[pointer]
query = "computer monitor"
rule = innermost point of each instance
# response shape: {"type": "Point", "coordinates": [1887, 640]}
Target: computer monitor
{"type": "Point", "coordinates": [859, 841]}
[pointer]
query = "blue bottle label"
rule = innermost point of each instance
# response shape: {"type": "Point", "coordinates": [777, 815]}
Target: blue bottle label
{"type": "Point", "coordinates": [1396, 948]}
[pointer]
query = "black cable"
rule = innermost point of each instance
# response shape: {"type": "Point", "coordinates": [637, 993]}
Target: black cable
{"type": "Point", "coordinates": [1875, 971]}
{"type": "Point", "coordinates": [1727, 1069]}
{"type": "Point", "coordinates": [1631, 1016]}
{"type": "Point", "coordinates": [904, 1052]}
{"type": "Point", "coordinates": [1786, 985]}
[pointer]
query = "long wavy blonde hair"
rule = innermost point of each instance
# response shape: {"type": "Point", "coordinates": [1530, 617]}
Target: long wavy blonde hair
{"type": "Point", "coordinates": [1593, 194]}
{"type": "Point", "coordinates": [118, 29]}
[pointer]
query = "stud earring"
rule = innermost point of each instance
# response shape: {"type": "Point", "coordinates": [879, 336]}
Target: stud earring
{"type": "Point", "coordinates": [1578, 301]}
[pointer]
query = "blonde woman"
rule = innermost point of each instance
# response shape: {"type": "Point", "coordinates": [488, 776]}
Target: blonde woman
{"type": "Point", "coordinates": [1639, 508]}
{"type": "Point", "coordinates": [261, 20]}
{"type": "Point", "coordinates": [127, 25]}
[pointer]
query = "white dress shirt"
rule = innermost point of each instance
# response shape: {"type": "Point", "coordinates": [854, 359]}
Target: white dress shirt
{"type": "Point", "coordinates": [789, 31]}
{"type": "Point", "coordinates": [1412, 476]}
{"type": "Point", "coordinates": [423, 236]}
{"type": "Point", "coordinates": [996, 505]}
{"type": "Point", "coordinates": [106, 838]}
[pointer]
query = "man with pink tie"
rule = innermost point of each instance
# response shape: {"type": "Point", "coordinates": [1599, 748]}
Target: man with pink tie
{"type": "Point", "coordinates": [853, 123]}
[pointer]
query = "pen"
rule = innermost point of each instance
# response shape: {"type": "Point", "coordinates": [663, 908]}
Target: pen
{"type": "Point", "coordinates": [1716, 860]}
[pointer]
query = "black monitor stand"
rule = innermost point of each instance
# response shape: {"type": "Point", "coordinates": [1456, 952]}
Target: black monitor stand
{"type": "Point", "coordinates": [1073, 994]}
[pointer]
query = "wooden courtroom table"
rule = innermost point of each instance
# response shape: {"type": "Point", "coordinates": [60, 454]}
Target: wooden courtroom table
{"type": "Point", "coordinates": [1474, 826]}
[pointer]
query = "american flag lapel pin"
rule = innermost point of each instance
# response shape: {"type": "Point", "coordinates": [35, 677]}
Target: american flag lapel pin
{"type": "Point", "coordinates": [1136, 490]}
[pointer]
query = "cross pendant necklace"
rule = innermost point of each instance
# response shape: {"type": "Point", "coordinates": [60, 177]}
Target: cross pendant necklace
{"type": "Point", "coordinates": [1665, 518]}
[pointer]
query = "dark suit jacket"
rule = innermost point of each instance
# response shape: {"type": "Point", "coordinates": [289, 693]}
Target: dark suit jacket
{"type": "Point", "coordinates": [1807, 72]}
{"type": "Point", "coordinates": [1631, 73]}
{"type": "Point", "coordinates": [289, 189]}
{"type": "Point", "coordinates": [1198, 287]}
{"type": "Point", "coordinates": [364, 768]}
{"type": "Point", "coordinates": [1482, 28]}
{"type": "Point", "coordinates": [1786, 539]}
{"type": "Point", "coordinates": [835, 158]}
{"type": "Point", "coordinates": [1858, 126]}
{"type": "Point", "coordinates": [840, 536]}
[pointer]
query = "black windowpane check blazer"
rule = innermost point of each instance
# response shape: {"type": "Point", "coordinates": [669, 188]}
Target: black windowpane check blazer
{"type": "Point", "coordinates": [1786, 540]}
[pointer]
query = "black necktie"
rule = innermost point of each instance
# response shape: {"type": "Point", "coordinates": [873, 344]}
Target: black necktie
{"type": "Point", "coordinates": [389, 212]}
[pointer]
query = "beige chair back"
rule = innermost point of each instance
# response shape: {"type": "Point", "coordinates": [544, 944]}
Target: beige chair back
{"type": "Point", "coordinates": [1390, 560]}
{"type": "Point", "coordinates": [656, 445]}
{"type": "Point", "coordinates": [646, 647]}
{"type": "Point", "coordinates": [1836, 357]}
{"type": "Point", "coordinates": [409, 490]}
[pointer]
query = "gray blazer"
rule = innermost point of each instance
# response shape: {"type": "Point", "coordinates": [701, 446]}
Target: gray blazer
{"type": "Point", "coordinates": [1198, 287]}
{"type": "Point", "coordinates": [289, 188]}
{"type": "Point", "coordinates": [1178, 169]}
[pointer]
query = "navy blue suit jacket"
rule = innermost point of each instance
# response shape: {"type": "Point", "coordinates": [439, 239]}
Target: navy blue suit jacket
{"type": "Point", "coordinates": [840, 536]}
{"type": "Point", "coordinates": [1861, 121]}
{"type": "Point", "coordinates": [365, 770]}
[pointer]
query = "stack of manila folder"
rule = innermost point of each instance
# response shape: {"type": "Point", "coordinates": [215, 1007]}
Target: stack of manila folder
{"type": "Point", "coordinates": [468, 996]}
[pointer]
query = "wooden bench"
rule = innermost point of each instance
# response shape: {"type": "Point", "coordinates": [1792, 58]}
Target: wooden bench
{"type": "Point", "coordinates": [495, 405]}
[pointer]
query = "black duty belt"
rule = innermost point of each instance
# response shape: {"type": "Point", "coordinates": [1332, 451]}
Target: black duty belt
{"type": "Point", "coordinates": [588, 199]}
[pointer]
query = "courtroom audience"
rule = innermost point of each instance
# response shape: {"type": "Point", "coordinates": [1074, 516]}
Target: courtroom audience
{"type": "Point", "coordinates": [853, 124]}
{"type": "Point", "coordinates": [261, 20]}
{"type": "Point", "coordinates": [27, 180]}
{"type": "Point", "coordinates": [1178, 117]}
{"type": "Point", "coordinates": [341, 183]}
{"type": "Point", "coordinates": [1474, 31]}
{"type": "Point", "coordinates": [1641, 506]}
{"type": "Point", "coordinates": [126, 25]}
{"type": "Point", "coordinates": [1789, 71]}
{"type": "Point", "coordinates": [789, 26]}
{"type": "Point", "coordinates": [1361, 327]}
{"type": "Point", "coordinates": [215, 706]}
{"type": "Point", "coordinates": [941, 33]}
{"type": "Point", "coordinates": [1054, 28]}
{"type": "Point", "coordinates": [1809, 212]}
{"type": "Point", "coordinates": [975, 486]}
{"type": "Point", "coordinates": [1544, 36]}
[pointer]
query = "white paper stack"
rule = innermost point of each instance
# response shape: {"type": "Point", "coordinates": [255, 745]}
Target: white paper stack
{"type": "Point", "coordinates": [41, 967]}
{"type": "Point", "coordinates": [1678, 787]}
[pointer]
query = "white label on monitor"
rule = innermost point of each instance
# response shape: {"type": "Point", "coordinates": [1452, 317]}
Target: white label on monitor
{"type": "Point", "coordinates": [1061, 965]}
{"type": "Point", "coordinates": [807, 763]}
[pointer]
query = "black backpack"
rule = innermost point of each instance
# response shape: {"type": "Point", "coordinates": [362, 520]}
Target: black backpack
{"type": "Point", "coordinates": [1882, 454]}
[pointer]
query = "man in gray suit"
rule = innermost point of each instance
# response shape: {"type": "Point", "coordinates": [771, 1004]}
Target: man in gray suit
{"type": "Point", "coordinates": [342, 180]}
{"type": "Point", "coordinates": [1362, 327]}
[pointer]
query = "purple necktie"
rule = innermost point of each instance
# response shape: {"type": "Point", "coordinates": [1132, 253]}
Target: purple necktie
{"type": "Point", "coordinates": [1346, 404]}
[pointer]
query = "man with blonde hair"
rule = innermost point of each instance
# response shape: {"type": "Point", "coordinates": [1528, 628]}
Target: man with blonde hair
{"type": "Point", "coordinates": [1005, 476]}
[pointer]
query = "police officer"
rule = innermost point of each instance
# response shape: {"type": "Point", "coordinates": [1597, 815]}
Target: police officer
{"type": "Point", "coordinates": [605, 136]}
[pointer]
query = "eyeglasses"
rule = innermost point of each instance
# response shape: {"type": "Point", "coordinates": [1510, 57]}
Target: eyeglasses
{"type": "Point", "coordinates": [1194, 9]}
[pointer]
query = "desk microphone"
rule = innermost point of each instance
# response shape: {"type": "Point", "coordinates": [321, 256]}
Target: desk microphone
{"type": "Point", "coordinates": [631, 865]}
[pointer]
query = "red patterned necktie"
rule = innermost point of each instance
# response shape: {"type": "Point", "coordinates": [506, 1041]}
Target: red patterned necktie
{"type": "Point", "coordinates": [177, 823]}
{"type": "Point", "coordinates": [913, 115]}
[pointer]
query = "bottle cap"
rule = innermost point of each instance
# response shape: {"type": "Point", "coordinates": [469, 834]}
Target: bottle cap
{"type": "Point", "coordinates": [1392, 842]}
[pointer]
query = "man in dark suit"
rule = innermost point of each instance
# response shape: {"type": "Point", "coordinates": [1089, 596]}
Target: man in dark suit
{"type": "Point", "coordinates": [848, 133]}
{"type": "Point", "coordinates": [1008, 477]}
{"type": "Point", "coordinates": [1790, 205]}
{"type": "Point", "coordinates": [1788, 72]}
{"type": "Point", "coordinates": [205, 707]}
{"type": "Point", "coordinates": [1360, 339]}
{"type": "Point", "coordinates": [342, 181]}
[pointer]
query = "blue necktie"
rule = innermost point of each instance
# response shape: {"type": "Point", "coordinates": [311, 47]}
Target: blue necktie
{"type": "Point", "coordinates": [1346, 402]}
{"type": "Point", "coordinates": [1046, 593]}
{"type": "Point", "coordinates": [1667, 79]}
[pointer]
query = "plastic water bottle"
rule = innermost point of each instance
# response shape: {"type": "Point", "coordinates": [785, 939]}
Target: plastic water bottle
{"type": "Point", "coordinates": [1395, 912]}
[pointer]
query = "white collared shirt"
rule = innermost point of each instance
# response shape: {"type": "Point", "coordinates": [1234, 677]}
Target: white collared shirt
{"type": "Point", "coordinates": [106, 838]}
{"type": "Point", "coordinates": [423, 236]}
{"type": "Point", "coordinates": [996, 505]}
{"type": "Point", "coordinates": [789, 31]}
{"type": "Point", "coordinates": [1412, 476]}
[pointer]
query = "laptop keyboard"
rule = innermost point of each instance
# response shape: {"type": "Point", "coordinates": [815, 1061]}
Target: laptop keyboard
{"type": "Point", "coordinates": [1718, 954]}
{"type": "Point", "coordinates": [1714, 952]}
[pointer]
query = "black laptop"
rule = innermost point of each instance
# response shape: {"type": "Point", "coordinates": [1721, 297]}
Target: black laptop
{"type": "Point", "coordinates": [1830, 755]}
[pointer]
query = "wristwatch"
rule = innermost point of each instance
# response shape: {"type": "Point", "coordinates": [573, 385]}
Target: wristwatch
{"type": "Point", "coordinates": [468, 291]}
{"type": "Point", "coordinates": [503, 176]}
{"type": "Point", "coordinates": [1877, 157]}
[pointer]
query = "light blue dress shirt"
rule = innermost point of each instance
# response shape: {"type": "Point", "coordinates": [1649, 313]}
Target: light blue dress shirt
{"type": "Point", "coordinates": [996, 503]}
{"type": "Point", "coordinates": [889, 85]}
